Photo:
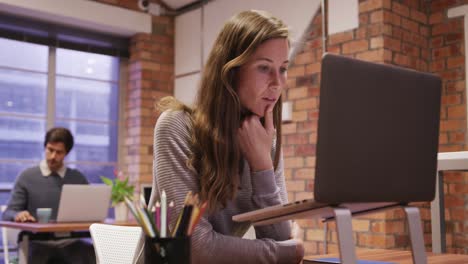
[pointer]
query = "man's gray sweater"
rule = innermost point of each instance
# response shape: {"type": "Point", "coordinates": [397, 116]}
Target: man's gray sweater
{"type": "Point", "coordinates": [32, 190]}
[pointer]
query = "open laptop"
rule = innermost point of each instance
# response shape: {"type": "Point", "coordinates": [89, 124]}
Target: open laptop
{"type": "Point", "coordinates": [84, 203]}
{"type": "Point", "coordinates": [377, 140]}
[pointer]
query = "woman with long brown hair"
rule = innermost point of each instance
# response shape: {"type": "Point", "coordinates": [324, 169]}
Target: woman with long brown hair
{"type": "Point", "coordinates": [227, 148]}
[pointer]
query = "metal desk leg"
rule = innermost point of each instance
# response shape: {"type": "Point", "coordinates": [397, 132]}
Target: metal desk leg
{"type": "Point", "coordinates": [438, 217]}
{"type": "Point", "coordinates": [416, 235]}
{"type": "Point", "coordinates": [344, 228]}
{"type": "Point", "coordinates": [345, 235]}
{"type": "Point", "coordinates": [23, 250]}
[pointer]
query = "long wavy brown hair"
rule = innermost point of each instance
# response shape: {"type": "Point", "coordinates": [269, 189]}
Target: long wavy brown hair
{"type": "Point", "coordinates": [217, 112]}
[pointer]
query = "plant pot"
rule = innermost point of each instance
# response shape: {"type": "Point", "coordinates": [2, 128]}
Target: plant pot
{"type": "Point", "coordinates": [121, 212]}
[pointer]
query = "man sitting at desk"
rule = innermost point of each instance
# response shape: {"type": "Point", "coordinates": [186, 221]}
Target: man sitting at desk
{"type": "Point", "coordinates": [41, 187]}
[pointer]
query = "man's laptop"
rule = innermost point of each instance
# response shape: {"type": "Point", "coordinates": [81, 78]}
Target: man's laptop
{"type": "Point", "coordinates": [84, 203]}
{"type": "Point", "coordinates": [377, 140]}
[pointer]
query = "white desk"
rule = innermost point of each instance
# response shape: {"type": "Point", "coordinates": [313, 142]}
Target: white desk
{"type": "Point", "coordinates": [447, 161]}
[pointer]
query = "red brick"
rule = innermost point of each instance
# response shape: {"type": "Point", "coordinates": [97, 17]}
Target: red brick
{"type": "Point", "coordinates": [412, 4]}
{"type": "Point", "coordinates": [296, 71]}
{"type": "Point", "coordinates": [451, 75]}
{"type": "Point", "coordinates": [377, 16]}
{"type": "Point", "coordinates": [304, 58]}
{"type": "Point", "coordinates": [313, 68]}
{"type": "Point", "coordinates": [392, 18]}
{"type": "Point", "coordinates": [388, 227]}
{"type": "Point", "coordinates": [309, 126]}
{"type": "Point", "coordinates": [373, 240]}
{"type": "Point", "coordinates": [296, 93]}
{"type": "Point", "coordinates": [443, 138]}
{"type": "Point", "coordinates": [313, 44]}
{"type": "Point", "coordinates": [293, 162]}
{"type": "Point", "coordinates": [361, 33]}
{"type": "Point", "coordinates": [409, 25]}
{"type": "Point", "coordinates": [297, 139]}
{"type": "Point", "coordinates": [440, 5]}
{"type": "Point", "coordinates": [373, 55]}
{"type": "Point", "coordinates": [446, 51]}
{"type": "Point", "coordinates": [363, 19]}
{"type": "Point", "coordinates": [455, 62]}
{"type": "Point", "coordinates": [456, 112]}
{"type": "Point", "coordinates": [370, 5]}
{"type": "Point", "coordinates": [392, 43]}
{"type": "Point", "coordinates": [438, 65]}
{"type": "Point", "coordinates": [305, 150]}
{"type": "Point", "coordinates": [313, 138]}
{"type": "Point", "coordinates": [436, 18]}
{"type": "Point", "coordinates": [418, 16]}
{"type": "Point", "coordinates": [303, 104]}
{"type": "Point", "coordinates": [355, 46]}
{"type": "Point", "coordinates": [376, 42]}
{"type": "Point", "coordinates": [400, 9]}
{"type": "Point", "coordinates": [452, 125]}
{"type": "Point", "coordinates": [401, 60]}
{"type": "Point", "coordinates": [411, 50]}
{"type": "Point", "coordinates": [424, 31]}
{"type": "Point", "coordinates": [336, 49]}
{"type": "Point", "coordinates": [437, 42]}
{"type": "Point", "coordinates": [298, 116]}
{"type": "Point", "coordinates": [304, 174]}
{"type": "Point", "coordinates": [451, 99]}
{"type": "Point", "coordinates": [454, 177]}
{"type": "Point", "coordinates": [418, 40]}
{"type": "Point", "coordinates": [288, 129]}
{"type": "Point", "coordinates": [288, 150]}
{"type": "Point", "coordinates": [456, 137]}
{"type": "Point", "coordinates": [292, 185]}
{"type": "Point", "coordinates": [440, 29]}
{"type": "Point", "coordinates": [454, 37]}
{"type": "Point", "coordinates": [457, 213]}
{"type": "Point", "coordinates": [453, 87]}
{"type": "Point", "coordinates": [340, 37]}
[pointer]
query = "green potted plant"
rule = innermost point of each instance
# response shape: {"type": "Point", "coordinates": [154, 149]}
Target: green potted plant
{"type": "Point", "coordinates": [120, 190]}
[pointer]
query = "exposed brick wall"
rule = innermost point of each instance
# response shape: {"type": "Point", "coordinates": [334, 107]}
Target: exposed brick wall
{"type": "Point", "coordinates": [408, 33]}
{"type": "Point", "coordinates": [448, 61]}
{"type": "Point", "coordinates": [150, 77]}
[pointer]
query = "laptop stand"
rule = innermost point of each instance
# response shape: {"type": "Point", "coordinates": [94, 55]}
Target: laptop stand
{"type": "Point", "coordinates": [346, 246]}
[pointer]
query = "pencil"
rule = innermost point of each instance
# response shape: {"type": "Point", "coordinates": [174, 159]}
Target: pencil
{"type": "Point", "coordinates": [163, 214]}
{"type": "Point", "coordinates": [179, 218]}
{"type": "Point", "coordinates": [197, 219]}
{"type": "Point", "coordinates": [185, 219]}
{"type": "Point", "coordinates": [157, 216]}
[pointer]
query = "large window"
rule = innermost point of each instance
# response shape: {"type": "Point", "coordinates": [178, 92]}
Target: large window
{"type": "Point", "coordinates": [42, 87]}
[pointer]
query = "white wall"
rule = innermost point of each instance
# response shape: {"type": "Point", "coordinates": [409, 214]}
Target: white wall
{"type": "Point", "coordinates": [343, 15]}
{"type": "Point", "coordinates": [196, 31]}
{"type": "Point", "coordinates": [88, 15]}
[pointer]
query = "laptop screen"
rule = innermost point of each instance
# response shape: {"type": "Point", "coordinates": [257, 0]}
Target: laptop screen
{"type": "Point", "coordinates": [84, 203]}
{"type": "Point", "coordinates": [378, 132]}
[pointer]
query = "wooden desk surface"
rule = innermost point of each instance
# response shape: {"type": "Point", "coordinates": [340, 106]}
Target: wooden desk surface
{"type": "Point", "coordinates": [400, 257]}
{"type": "Point", "coordinates": [57, 227]}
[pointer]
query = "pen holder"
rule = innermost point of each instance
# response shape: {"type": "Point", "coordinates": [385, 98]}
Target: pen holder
{"type": "Point", "coordinates": [169, 250]}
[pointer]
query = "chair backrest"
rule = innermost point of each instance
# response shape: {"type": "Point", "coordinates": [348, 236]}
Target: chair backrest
{"type": "Point", "coordinates": [115, 244]}
{"type": "Point", "coordinates": [9, 239]}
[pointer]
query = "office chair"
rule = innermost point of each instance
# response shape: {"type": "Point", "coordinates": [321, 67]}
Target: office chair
{"type": "Point", "coordinates": [115, 244]}
{"type": "Point", "coordinates": [9, 239]}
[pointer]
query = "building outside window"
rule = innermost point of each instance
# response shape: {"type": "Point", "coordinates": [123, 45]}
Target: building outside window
{"type": "Point", "coordinates": [42, 87]}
